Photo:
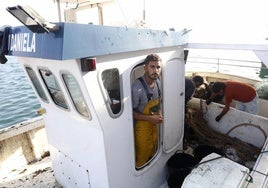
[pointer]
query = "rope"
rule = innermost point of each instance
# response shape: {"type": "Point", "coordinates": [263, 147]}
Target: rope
{"type": "Point", "coordinates": [265, 151]}
{"type": "Point", "coordinates": [260, 172]}
{"type": "Point", "coordinates": [248, 124]}
{"type": "Point", "coordinates": [122, 12]}
{"type": "Point", "coordinates": [201, 106]}
{"type": "Point", "coordinates": [208, 161]}
{"type": "Point", "coordinates": [239, 125]}
{"type": "Point", "coordinates": [201, 132]}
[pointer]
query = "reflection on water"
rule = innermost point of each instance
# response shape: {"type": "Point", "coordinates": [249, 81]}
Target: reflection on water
{"type": "Point", "coordinates": [17, 98]}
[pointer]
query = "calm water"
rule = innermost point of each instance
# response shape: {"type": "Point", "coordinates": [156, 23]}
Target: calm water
{"type": "Point", "coordinates": [17, 98]}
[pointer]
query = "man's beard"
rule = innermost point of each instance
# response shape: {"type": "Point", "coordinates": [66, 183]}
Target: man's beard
{"type": "Point", "coordinates": [154, 76]}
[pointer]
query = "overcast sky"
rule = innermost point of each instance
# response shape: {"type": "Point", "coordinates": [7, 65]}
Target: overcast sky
{"type": "Point", "coordinates": [226, 21]}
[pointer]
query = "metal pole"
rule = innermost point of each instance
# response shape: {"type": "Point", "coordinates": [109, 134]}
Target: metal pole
{"type": "Point", "coordinates": [144, 10]}
{"type": "Point", "coordinates": [100, 13]}
{"type": "Point", "coordinates": [59, 10]}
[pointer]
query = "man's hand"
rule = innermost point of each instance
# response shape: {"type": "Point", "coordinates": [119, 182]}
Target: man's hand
{"type": "Point", "coordinates": [156, 119]}
{"type": "Point", "coordinates": [208, 101]}
{"type": "Point", "coordinates": [218, 118]}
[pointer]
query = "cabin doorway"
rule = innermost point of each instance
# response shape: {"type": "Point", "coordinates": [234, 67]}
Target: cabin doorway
{"type": "Point", "coordinates": [172, 81]}
{"type": "Point", "coordinates": [145, 149]}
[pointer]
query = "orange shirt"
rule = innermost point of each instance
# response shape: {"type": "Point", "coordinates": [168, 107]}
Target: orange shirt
{"type": "Point", "coordinates": [239, 92]}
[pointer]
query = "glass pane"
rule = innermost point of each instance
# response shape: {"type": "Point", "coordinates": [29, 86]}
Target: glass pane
{"type": "Point", "coordinates": [36, 83]}
{"type": "Point", "coordinates": [76, 94]}
{"type": "Point", "coordinates": [53, 88]}
{"type": "Point", "coordinates": [110, 79]}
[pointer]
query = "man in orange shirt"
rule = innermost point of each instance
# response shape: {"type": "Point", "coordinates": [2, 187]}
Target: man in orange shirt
{"type": "Point", "coordinates": [245, 96]}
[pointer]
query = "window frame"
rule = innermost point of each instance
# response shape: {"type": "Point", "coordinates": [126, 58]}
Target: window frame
{"type": "Point", "coordinates": [39, 82]}
{"type": "Point", "coordinates": [89, 117]}
{"type": "Point", "coordinates": [106, 96]}
{"type": "Point", "coordinates": [67, 108]}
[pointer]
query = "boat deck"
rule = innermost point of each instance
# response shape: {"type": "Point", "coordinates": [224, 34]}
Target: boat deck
{"type": "Point", "coordinates": [35, 175]}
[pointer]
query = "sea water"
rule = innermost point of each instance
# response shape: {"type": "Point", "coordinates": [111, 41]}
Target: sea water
{"type": "Point", "coordinates": [18, 101]}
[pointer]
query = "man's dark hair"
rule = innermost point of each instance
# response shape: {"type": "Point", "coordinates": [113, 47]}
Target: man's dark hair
{"type": "Point", "coordinates": [218, 86]}
{"type": "Point", "coordinates": [199, 79]}
{"type": "Point", "coordinates": [152, 57]}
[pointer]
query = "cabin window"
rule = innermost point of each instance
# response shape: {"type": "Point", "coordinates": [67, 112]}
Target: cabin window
{"type": "Point", "coordinates": [36, 83]}
{"type": "Point", "coordinates": [75, 94]}
{"type": "Point", "coordinates": [110, 79]}
{"type": "Point", "coordinates": [53, 88]}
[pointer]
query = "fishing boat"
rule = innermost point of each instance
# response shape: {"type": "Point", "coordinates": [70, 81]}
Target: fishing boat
{"type": "Point", "coordinates": [82, 76]}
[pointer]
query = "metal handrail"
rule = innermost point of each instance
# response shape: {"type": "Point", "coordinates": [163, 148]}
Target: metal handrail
{"type": "Point", "coordinates": [223, 62]}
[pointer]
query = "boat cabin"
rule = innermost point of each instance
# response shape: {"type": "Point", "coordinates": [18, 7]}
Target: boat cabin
{"type": "Point", "coordinates": [82, 75]}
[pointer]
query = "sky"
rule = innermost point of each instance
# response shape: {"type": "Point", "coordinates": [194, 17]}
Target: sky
{"type": "Point", "coordinates": [212, 21]}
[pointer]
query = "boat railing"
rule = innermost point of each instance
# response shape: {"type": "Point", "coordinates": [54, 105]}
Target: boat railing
{"type": "Point", "coordinates": [231, 66]}
{"type": "Point", "coordinates": [20, 128]}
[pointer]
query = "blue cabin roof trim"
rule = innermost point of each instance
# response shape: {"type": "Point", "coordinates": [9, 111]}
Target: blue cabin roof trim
{"type": "Point", "coordinates": [74, 40]}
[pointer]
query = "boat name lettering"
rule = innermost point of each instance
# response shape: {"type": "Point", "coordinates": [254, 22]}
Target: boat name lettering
{"type": "Point", "coordinates": [23, 42]}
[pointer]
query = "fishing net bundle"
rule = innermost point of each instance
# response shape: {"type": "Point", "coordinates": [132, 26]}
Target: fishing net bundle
{"type": "Point", "coordinates": [197, 132]}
